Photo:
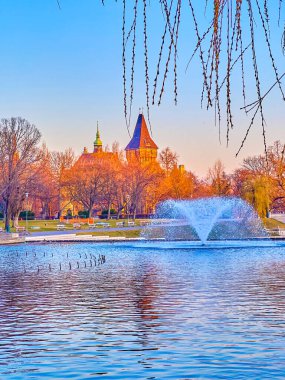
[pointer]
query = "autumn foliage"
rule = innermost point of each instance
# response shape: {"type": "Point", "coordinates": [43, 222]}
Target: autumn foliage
{"type": "Point", "coordinates": [54, 184]}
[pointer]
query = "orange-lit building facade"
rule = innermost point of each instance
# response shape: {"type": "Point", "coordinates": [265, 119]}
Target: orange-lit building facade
{"type": "Point", "coordinates": [141, 147]}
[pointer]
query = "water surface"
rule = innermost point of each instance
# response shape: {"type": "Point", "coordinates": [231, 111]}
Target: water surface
{"type": "Point", "coordinates": [145, 313]}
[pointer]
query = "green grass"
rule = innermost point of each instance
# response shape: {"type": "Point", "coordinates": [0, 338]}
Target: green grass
{"type": "Point", "coordinates": [132, 233]}
{"type": "Point", "coordinates": [51, 225]}
{"type": "Point", "coordinates": [272, 223]}
{"type": "Point", "coordinates": [45, 225]}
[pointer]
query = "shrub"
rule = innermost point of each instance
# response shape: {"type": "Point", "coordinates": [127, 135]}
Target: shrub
{"type": "Point", "coordinates": [83, 214]}
{"type": "Point", "coordinates": [112, 212]}
{"type": "Point", "coordinates": [30, 215]}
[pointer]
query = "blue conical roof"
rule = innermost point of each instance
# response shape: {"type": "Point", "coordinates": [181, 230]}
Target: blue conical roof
{"type": "Point", "coordinates": [141, 137]}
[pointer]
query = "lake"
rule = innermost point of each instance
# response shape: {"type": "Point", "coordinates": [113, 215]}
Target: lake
{"type": "Point", "coordinates": [142, 311]}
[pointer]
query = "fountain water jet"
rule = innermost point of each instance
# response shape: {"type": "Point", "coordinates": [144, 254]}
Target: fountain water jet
{"type": "Point", "coordinates": [214, 218]}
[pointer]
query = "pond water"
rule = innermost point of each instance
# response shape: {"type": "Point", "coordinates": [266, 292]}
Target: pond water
{"type": "Point", "coordinates": [176, 312]}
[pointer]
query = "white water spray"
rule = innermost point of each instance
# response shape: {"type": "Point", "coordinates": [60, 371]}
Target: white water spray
{"type": "Point", "coordinates": [215, 218]}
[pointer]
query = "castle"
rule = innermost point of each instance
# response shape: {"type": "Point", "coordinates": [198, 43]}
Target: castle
{"type": "Point", "coordinates": [141, 147]}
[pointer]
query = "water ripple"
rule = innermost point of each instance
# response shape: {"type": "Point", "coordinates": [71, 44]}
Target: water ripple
{"type": "Point", "coordinates": [145, 314]}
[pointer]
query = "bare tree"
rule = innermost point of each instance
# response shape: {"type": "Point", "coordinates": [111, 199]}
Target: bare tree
{"type": "Point", "coordinates": [218, 179]}
{"type": "Point", "coordinates": [44, 188]}
{"type": "Point", "coordinates": [118, 151]}
{"type": "Point", "coordinates": [168, 159]}
{"type": "Point", "coordinates": [110, 172]}
{"type": "Point", "coordinates": [19, 154]}
{"type": "Point", "coordinates": [139, 179]}
{"type": "Point", "coordinates": [60, 162]}
{"type": "Point", "coordinates": [84, 182]}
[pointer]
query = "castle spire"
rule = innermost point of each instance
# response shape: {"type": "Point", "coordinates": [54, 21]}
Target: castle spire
{"type": "Point", "coordinates": [141, 146]}
{"type": "Point", "coordinates": [98, 142]}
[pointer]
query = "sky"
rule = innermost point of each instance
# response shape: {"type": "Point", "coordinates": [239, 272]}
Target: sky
{"type": "Point", "coordinates": [61, 69]}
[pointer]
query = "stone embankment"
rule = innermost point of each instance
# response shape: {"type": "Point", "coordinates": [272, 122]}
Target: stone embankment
{"type": "Point", "coordinates": [77, 238]}
{"type": "Point", "coordinates": [13, 238]}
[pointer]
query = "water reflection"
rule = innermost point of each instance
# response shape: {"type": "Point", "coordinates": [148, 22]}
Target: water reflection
{"type": "Point", "coordinates": [143, 314]}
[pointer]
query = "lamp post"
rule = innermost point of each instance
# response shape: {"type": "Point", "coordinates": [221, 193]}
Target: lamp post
{"type": "Point", "coordinates": [27, 196]}
{"type": "Point", "coordinates": [127, 200]}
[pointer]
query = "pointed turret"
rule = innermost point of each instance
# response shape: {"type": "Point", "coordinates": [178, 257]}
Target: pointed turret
{"type": "Point", "coordinates": [141, 146]}
{"type": "Point", "coordinates": [97, 143]}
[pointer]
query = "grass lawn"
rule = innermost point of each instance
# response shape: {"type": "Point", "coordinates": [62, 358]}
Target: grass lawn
{"type": "Point", "coordinates": [272, 223]}
{"type": "Point", "coordinates": [131, 233]}
{"type": "Point", "coordinates": [51, 225]}
{"type": "Point", "coordinates": [45, 225]}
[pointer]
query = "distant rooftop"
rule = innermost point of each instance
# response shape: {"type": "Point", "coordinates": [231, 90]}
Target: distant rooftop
{"type": "Point", "coordinates": [141, 137]}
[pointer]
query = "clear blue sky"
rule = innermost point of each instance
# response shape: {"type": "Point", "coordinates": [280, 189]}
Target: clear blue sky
{"type": "Point", "coordinates": [61, 69]}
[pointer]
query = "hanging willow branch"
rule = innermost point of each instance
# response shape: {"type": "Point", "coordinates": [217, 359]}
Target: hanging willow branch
{"type": "Point", "coordinates": [236, 28]}
{"type": "Point", "coordinates": [283, 41]}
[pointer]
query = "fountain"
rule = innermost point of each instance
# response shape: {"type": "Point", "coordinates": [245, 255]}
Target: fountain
{"type": "Point", "coordinates": [204, 219]}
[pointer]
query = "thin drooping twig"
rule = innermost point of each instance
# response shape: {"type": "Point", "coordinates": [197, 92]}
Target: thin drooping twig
{"type": "Point", "coordinates": [146, 63]}
{"type": "Point", "coordinates": [269, 49]}
{"type": "Point", "coordinates": [247, 131]}
{"type": "Point", "coordinates": [130, 31]}
{"type": "Point", "coordinates": [283, 41]}
{"type": "Point", "coordinates": [230, 42]}
{"type": "Point", "coordinates": [200, 39]}
{"type": "Point", "coordinates": [219, 46]}
{"type": "Point", "coordinates": [238, 21]}
{"type": "Point", "coordinates": [201, 52]}
{"type": "Point", "coordinates": [233, 65]}
{"type": "Point", "coordinates": [252, 105]}
{"type": "Point", "coordinates": [279, 11]}
{"type": "Point", "coordinates": [242, 71]}
{"type": "Point", "coordinates": [167, 14]}
{"type": "Point", "coordinates": [133, 62]}
{"type": "Point", "coordinates": [171, 44]}
{"type": "Point", "coordinates": [124, 65]}
{"type": "Point", "coordinates": [160, 57]}
{"type": "Point", "coordinates": [175, 51]}
{"type": "Point", "coordinates": [266, 15]}
{"type": "Point", "coordinates": [158, 65]}
{"type": "Point", "coordinates": [207, 87]}
{"type": "Point", "coordinates": [217, 42]}
{"type": "Point", "coordinates": [256, 73]}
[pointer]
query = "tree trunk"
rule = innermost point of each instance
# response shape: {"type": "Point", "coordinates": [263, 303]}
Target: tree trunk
{"type": "Point", "coordinates": [120, 209]}
{"type": "Point", "coordinates": [44, 210]}
{"type": "Point", "coordinates": [109, 211]}
{"type": "Point", "coordinates": [16, 220]}
{"type": "Point", "coordinates": [7, 215]}
{"type": "Point", "coordinates": [59, 205]}
{"type": "Point", "coordinates": [7, 224]}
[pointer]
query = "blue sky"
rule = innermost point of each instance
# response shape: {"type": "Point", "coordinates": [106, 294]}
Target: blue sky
{"type": "Point", "coordinates": [61, 69]}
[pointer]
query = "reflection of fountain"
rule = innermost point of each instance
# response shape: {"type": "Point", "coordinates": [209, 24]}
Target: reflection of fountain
{"type": "Point", "coordinates": [216, 218]}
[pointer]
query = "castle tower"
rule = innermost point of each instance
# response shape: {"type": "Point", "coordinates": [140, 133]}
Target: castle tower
{"type": "Point", "coordinates": [97, 142]}
{"type": "Point", "coordinates": [141, 147]}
